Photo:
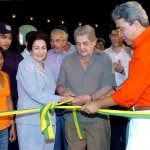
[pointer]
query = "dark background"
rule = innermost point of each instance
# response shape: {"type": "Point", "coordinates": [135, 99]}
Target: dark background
{"type": "Point", "coordinates": [72, 12]}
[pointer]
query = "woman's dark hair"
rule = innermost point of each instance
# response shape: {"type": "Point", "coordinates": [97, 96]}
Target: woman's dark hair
{"type": "Point", "coordinates": [38, 35]}
{"type": "Point", "coordinates": [28, 35]}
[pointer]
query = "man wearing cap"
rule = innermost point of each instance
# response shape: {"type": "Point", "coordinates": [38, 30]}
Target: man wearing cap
{"type": "Point", "coordinates": [11, 58]}
{"type": "Point", "coordinates": [10, 66]}
{"type": "Point", "coordinates": [5, 36]}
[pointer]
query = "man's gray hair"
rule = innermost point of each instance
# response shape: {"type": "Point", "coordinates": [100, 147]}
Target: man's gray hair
{"type": "Point", "coordinates": [87, 29]}
{"type": "Point", "coordinates": [131, 11]}
{"type": "Point", "coordinates": [59, 31]}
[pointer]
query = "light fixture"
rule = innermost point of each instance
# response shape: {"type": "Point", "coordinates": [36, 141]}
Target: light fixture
{"type": "Point", "coordinates": [96, 25]}
{"type": "Point", "coordinates": [62, 21]}
{"type": "Point", "coordinates": [80, 24]}
{"type": "Point", "coordinates": [14, 16]}
{"type": "Point", "coordinates": [48, 20]}
{"type": "Point", "coordinates": [31, 18]}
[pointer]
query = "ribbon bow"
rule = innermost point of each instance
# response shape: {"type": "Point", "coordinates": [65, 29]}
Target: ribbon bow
{"type": "Point", "coordinates": [45, 119]}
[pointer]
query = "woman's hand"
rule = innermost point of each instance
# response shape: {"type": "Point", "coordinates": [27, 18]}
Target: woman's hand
{"type": "Point", "coordinates": [12, 133]}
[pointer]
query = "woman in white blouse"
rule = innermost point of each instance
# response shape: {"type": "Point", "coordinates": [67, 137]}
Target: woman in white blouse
{"type": "Point", "coordinates": [36, 88]}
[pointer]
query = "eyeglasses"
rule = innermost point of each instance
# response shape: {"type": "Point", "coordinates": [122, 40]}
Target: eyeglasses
{"type": "Point", "coordinates": [122, 29]}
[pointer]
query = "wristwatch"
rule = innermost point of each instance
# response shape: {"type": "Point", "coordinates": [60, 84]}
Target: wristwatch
{"type": "Point", "coordinates": [122, 71]}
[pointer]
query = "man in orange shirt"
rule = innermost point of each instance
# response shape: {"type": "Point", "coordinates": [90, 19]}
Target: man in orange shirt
{"type": "Point", "coordinates": [132, 22]}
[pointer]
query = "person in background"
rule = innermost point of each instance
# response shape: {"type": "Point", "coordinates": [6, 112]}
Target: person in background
{"type": "Point", "coordinates": [53, 60]}
{"type": "Point", "coordinates": [56, 55]}
{"type": "Point", "coordinates": [68, 47]}
{"type": "Point", "coordinates": [100, 44]}
{"type": "Point", "coordinates": [86, 74]}
{"type": "Point", "coordinates": [10, 66]}
{"type": "Point", "coordinates": [6, 104]}
{"type": "Point", "coordinates": [132, 23]}
{"type": "Point", "coordinates": [26, 52]}
{"type": "Point", "coordinates": [120, 55]}
{"type": "Point", "coordinates": [11, 58]}
{"type": "Point", "coordinates": [36, 88]}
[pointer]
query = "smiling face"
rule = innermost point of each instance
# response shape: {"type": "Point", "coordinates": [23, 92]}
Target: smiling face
{"type": "Point", "coordinates": [39, 50]}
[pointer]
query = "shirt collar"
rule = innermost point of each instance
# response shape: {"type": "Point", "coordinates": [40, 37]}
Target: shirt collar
{"type": "Point", "coordinates": [141, 37]}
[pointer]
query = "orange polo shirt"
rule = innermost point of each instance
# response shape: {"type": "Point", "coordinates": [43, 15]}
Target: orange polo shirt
{"type": "Point", "coordinates": [136, 89]}
{"type": "Point", "coordinates": [5, 121]}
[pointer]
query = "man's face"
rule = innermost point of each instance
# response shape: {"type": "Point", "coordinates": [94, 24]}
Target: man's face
{"type": "Point", "coordinates": [5, 40]}
{"type": "Point", "coordinates": [126, 30]}
{"type": "Point", "coordinates": [115, 38]}
{"type": "Point", "coordinates": [100, 45]}
{"type": "Point", "coordinates": [84, 45]}
{"type": "Point", "coordinates": [57, 42]}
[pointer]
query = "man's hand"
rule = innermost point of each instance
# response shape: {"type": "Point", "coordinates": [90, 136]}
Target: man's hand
{"type": "Point", "coordinates": [63, 91]}
{"type": "Point", "coordinates": [80, 100]}
{"type": "Point", "coordinates": [118, 66]}
{"type": "Point", "coordinates": [91, 107]}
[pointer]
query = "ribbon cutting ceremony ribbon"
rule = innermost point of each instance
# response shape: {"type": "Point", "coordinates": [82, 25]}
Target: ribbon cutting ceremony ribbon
{"type": "Point", "coordinates": [45, 120]}
{"type": "Point", "coordinates": [46, 123]}
{"type": "Point", "coordinates": [78, 124]}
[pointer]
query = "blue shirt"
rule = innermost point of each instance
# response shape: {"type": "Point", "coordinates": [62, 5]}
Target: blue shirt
{"type": "Point", "coordinates": [53, 61]}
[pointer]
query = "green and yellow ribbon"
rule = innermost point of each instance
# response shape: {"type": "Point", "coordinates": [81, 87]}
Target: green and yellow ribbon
{"type": "Point", "coordinates": [46, 123]}
{"type": "Point", "coordinates": [45, 119]}
{"type": "Point", "coordinates": [78, 124]}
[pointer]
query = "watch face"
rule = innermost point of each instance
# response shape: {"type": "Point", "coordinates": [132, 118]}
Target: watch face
{"type": "Point", "coordinates": [122, 71]}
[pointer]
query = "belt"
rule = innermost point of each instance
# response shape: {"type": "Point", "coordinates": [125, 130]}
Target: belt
{"type": "Point", "coordinates": [139, 108]}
